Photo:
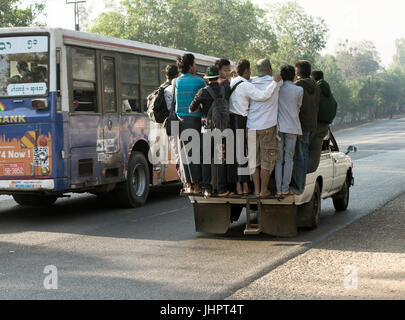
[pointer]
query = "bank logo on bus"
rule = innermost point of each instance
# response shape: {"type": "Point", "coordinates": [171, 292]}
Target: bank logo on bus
{"type": "Point", "coordinates": [2, 107]}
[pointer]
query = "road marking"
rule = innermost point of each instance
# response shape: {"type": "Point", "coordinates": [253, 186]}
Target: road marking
{"type": "Point", "coordinates": [161, 214]}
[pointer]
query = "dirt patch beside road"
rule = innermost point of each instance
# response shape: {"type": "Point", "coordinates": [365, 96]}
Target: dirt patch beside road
{"type": "Point", "coordinates": [365, 260]}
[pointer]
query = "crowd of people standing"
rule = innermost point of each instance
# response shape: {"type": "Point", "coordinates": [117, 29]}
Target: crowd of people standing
{"type": "Point", "coordinates": [286, 116]}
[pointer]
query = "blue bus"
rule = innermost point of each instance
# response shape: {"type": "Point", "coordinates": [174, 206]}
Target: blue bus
{"type": "Point", "coordinates": [72, 115]}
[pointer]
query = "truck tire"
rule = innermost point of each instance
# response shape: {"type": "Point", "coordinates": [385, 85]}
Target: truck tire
{"type": "Point", "coordinates": [312, 210]}
{"type": "Point", "coordinates": [34, 200]}
{"type": "Point", "coordinates": [341, 199]}
{"type": "Point", "coordinates": [135, 190]}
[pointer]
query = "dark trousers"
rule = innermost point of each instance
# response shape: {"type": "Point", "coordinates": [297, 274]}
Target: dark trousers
{"type": "Point", "coordinates": [238, 122]}
{"type": "Point", "coordinates": [219, 170]}
{"type": "Point", "coordinates": [192, 171]}
{"type": "Point", "coordinates": [315, 146]}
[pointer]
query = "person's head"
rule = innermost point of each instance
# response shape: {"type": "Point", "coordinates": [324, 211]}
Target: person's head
{"type": "Point", "coordinates": [243, 68]}
{"type": "Point", "coordinates": [224, 67]}
{"type": "Point", "coordinates": [303, 69]}
{"type": "Point", "coordinates": [172, 71]}
{"type": "Point", "coordinates": [264, 68]}
{"type": "Point", "coordinates": [22, 67]}
{"type": "Point", "coordinates": [287, 72]}
{"type": "Point", "coordinates": [186, 63]}
{"type": "Point", "coordinates": [317, 75]}
{"type": "Point", "coordinates": [212, 74]}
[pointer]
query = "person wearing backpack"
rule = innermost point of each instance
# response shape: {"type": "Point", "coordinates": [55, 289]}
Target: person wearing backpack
{"type": "Point", "coordinates": [326, 115]}
{"type": "Point", "coordinates": [262, 122]}
{"type": "Point", "coordinates": [213, 101]}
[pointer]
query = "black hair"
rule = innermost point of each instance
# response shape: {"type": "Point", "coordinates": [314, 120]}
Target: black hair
{"type": "Point", "coordinates": [303, 68]}
{"type": "Point", "coordinates": [287, 72]}
{"type": "Point", "coordinates": [172, 71]}
{"type": "Point", "coordinates": [222, 63]}
{"type": "Point", "coordinates": [241, 66]}
{"type": "Point", "coordinates": [317, 75]}
{"type": "Point", "coordinates": [185, 62]}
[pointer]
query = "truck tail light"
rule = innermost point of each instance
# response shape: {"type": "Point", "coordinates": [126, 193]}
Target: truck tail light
{"type": "Point", "coordinates": [39, 104]}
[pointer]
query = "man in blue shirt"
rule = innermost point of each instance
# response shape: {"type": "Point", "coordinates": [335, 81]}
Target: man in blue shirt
{"type": "Point", "coordinates": [186, 87]}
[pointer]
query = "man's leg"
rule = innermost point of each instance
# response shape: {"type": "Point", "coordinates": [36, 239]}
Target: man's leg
{"type": "Point", "coordinates": [315, 146]}
{"type": "Point", "coordinates": [289, 149]}
{"type": "Point", "coordinates": [280, 163]}
{"type": "Point", "coordinates": [268, 157]}
{"type": "Point", "coordinates": [300, 164]}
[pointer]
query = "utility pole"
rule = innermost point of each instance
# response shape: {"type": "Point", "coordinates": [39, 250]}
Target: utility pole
{"type": "Point", "coordinates": [76, 4]}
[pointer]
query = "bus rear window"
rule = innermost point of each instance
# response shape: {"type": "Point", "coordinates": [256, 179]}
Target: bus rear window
{"type": "Point", "coordinates": [24, 69]}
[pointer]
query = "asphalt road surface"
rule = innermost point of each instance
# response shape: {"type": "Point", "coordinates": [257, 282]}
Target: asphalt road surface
{"type": "Point", "coordinates": [153, 252]}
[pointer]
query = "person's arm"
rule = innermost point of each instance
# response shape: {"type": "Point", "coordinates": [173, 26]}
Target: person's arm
{"type": "Point", "coordinates": [258, 95]}
{"type": "Point", "coordinates": [196, 103]}
{"type": "Point", "coordinates": [300, 98]}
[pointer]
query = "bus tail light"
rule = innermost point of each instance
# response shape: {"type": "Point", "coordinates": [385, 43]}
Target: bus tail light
{"type": "Point", "coordinates": [39, 104]}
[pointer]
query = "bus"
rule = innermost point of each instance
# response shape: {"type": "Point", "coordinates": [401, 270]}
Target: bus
{"type": "Point", "coordinates": [73, 115]}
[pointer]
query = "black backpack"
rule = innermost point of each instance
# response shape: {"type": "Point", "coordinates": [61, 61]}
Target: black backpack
{"type": "Point", "coordinates": [156, 103]}
{"type": "Point", "coordinates": [218, 115]}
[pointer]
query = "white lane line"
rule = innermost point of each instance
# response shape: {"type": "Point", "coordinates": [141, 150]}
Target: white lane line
{"type": "Point", "coordinates": [161, 214]}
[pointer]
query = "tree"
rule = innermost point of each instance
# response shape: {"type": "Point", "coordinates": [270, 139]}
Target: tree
{"type": "Point", "coordinates": [12, 15]}
{"type": "Point", "coordinates": [357, 60]}
{"type": "Point", "coordinates": [222, 28]}
{"type": "Point", "coordinates": [299, 35]}
{"type": "Point", "coordinates": [399, 57]}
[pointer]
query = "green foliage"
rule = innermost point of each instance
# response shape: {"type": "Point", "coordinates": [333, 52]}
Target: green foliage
{"type": "Point", "coordinates": [12, 15]}
{"type": "Point", "coordinates": [299, 35]}
{"type": "Point", "coordinates": [285, 33]}
{"type": "Point", "coordinates": [224, 28]}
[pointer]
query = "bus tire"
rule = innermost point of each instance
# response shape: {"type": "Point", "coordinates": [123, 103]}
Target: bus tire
{"type": "Point", "coordinates": [135, 190]}
{"type": "Point", "coordinates": [34, 200]}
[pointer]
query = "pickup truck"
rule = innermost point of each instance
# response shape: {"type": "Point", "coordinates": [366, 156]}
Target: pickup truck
{"type": "Point", "coordinates": [283, 216]}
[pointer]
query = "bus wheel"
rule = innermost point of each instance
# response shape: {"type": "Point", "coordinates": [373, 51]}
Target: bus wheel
{"type": "Point", "coordinates": [34, 200]}
{"type": "Point", "coordinates": [134, 191]}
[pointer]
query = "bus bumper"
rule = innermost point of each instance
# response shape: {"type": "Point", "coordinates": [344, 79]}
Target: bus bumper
{"type": "Point", "coordinates": [9, 186]}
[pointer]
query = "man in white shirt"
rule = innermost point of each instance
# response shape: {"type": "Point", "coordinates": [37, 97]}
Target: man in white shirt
{"type": "Point", "coordinates": [262, 122]}
{"type": "Point", "coordinates": [289, 128]}
{"type": "Point", "coordinates": [243, 93]}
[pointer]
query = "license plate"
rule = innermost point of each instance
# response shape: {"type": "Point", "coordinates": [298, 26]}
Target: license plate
{"type": "Point", "coordinates": [14, 169]}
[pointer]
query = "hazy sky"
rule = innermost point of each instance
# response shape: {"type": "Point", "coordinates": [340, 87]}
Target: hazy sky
{"type": "Point", "coordinates": [379, 21]}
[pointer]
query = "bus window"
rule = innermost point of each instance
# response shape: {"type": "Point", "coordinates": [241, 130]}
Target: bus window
{"type": "Point", "coordinates": [149, 78]}
{"type": "Point", "coordinates": [200, 70]}
{"type": "Point", "coordinates": [24, 66]}
{"type": "Point", "coordinates": [130, 83]}
{"type": "Point", "coordinates": [84, 79]}
{"type": "Point", "coordinates": [109, 98]}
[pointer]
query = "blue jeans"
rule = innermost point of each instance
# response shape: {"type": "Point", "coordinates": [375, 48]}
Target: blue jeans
{"type": "Point", "coordinates": [301, 157]}
{"type": "Point", "coordinates": [284, 165]}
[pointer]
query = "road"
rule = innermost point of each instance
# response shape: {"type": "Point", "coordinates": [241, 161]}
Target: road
{"type": "Point", "coordinates": [153, 252]}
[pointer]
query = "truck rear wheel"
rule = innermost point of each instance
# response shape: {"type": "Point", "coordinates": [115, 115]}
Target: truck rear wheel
{"type": "Point", "coordinates": [312, 210]}
{"type": "Point", "coordinates": [341, 199]}
{"type": "Point", "coordinates": [34, 200]}
{"type": "Point", "coordinates": [135, 191]}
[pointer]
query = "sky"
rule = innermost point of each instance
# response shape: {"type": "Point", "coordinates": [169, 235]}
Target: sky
{"type": "Point", "coordinates": [381, 22]}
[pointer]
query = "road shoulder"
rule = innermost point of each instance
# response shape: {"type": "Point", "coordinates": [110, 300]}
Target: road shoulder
{"type": "Point", "coordinates": [365, 260]}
